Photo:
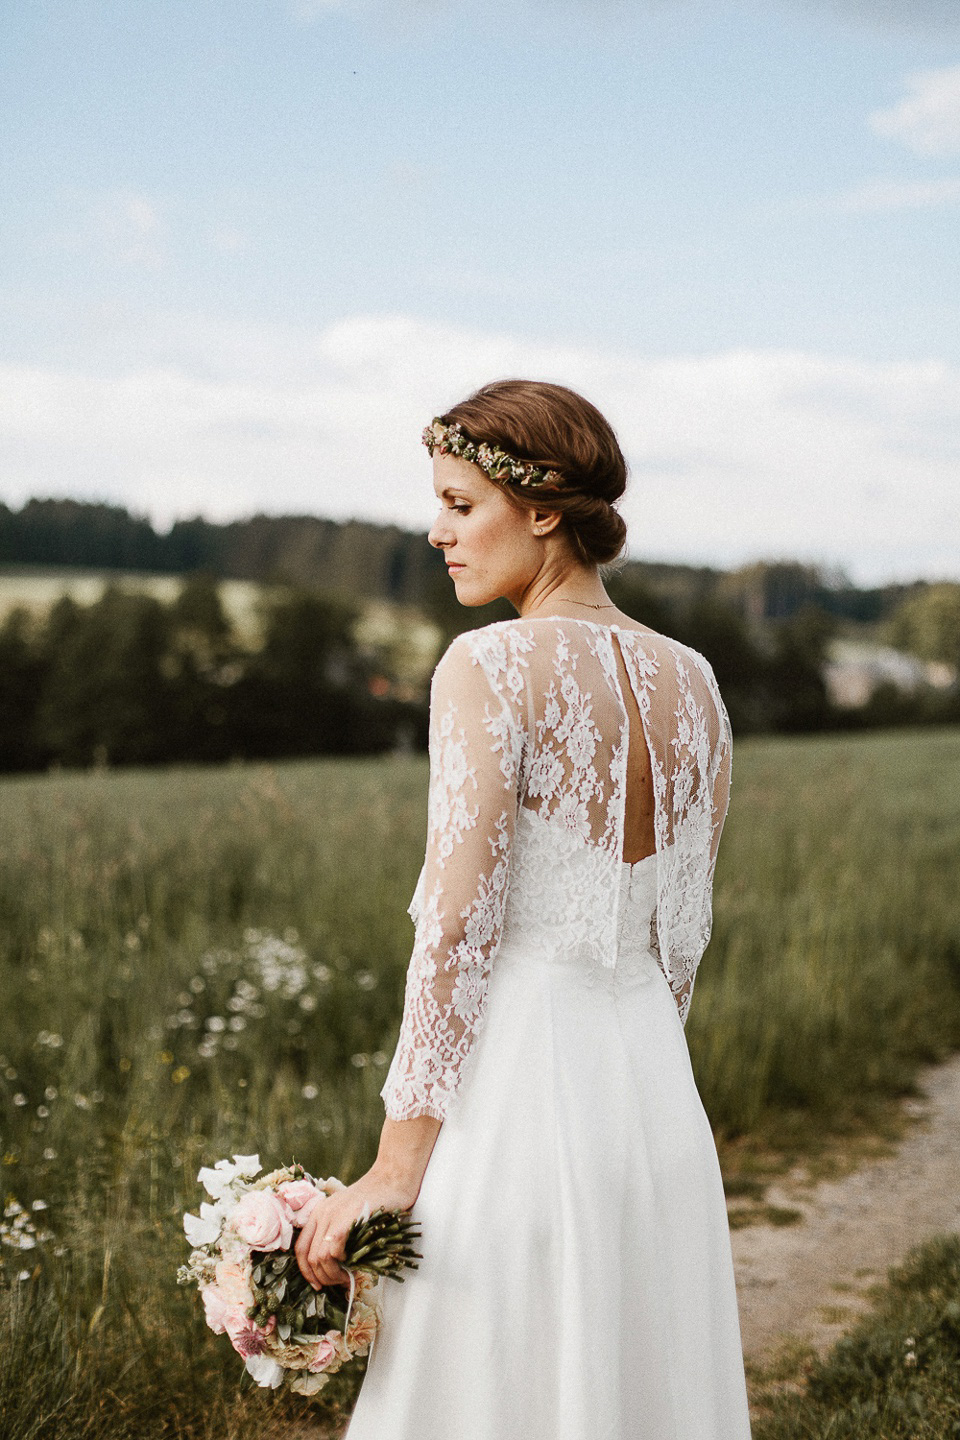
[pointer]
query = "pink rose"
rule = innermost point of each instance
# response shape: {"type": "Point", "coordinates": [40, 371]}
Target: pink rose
{"type": "Point", "coordinates": [365, 1284]}
{"type": "Point", "coordinates": [215, 1308]}
{"type": "Point", "coordinates": [298, 1196]}
{"type": "Point", "coordinates": [363, 1328]}
{"type": "Point", "coordinates": [323, 1354]}
{"type": "Point", "coordinates": [233, 1283]}
{"type": "Point", "coordinates": [263, 1221]}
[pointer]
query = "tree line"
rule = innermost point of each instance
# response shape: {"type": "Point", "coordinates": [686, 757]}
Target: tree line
{"type": "Point", "coordinates": [369, 561]}
{"type": "Point", "coordinates": [771, 671]}
{"type": "Point", "coordinates": [132, 681]}
{"type": "Point", "coordinates": [352, 557]}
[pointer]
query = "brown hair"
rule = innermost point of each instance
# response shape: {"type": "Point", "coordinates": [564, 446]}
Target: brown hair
{"type": "Point", "coordinates": [555, 429]}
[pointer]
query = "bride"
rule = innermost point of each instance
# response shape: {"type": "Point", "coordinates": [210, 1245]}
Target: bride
{"type": "Point", "coordinates": [542, 1117]}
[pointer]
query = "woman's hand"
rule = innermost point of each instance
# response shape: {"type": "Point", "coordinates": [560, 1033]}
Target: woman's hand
{"type": "Point", "coordinates": [392, 1183]}
{"type": "Point", "coordinates": [319, 1246]}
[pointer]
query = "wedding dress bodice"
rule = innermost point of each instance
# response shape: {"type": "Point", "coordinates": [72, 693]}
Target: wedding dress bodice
{"type": "Point", "coordinates": [531, 756]}
{"type": "Point", "coordinates": [554, 906]}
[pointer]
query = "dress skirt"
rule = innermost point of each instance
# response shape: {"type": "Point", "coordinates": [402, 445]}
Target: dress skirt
{"type": "Point", "coordinates": [576, 1281]}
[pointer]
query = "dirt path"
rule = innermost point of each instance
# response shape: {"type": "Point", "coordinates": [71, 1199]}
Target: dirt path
{"type": "Point", "coordinates": [808, 1281]}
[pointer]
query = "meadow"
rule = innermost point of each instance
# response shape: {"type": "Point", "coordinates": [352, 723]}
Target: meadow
{"type": "Point", "coordinates": [201, 961]}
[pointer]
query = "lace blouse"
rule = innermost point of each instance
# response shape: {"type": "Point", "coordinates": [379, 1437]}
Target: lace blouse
{"type": "Point", "coordinates": [530, 762]}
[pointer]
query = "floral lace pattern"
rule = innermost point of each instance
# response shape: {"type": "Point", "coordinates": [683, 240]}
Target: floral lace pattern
{"type": "Point", "coordinates": [530, 750]}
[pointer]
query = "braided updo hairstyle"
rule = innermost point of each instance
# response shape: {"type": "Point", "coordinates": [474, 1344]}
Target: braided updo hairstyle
{"type": "Point", "coordinates": [555, 429]}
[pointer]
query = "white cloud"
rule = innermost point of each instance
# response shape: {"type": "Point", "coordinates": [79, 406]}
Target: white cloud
{"type": "Point", "coordinates": [735, 456]}
{"type": "Point", "coordinates": [927, 120]}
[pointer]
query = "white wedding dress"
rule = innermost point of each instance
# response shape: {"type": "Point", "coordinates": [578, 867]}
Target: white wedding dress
{"type": "Point", "coordinates": [577, 1282]}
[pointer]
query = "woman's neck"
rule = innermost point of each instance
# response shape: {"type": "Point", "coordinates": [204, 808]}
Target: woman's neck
{"type": "Point", "coordinates": [580, 590]}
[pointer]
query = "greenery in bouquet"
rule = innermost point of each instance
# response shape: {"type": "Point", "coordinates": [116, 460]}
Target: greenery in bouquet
{"type": "Point", "coordinates": [245, 1269]}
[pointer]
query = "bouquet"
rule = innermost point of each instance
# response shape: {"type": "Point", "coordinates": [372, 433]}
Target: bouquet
{"type": "Point", "coordinates": [245, 1269]}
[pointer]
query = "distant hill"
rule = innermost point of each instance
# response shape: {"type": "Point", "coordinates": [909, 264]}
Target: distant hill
{"type": "Point", "coordinates": [371, 561]}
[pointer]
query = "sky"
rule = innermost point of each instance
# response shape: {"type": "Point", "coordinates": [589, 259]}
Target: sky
{"type": "Point", "coordinates": [248, 248]}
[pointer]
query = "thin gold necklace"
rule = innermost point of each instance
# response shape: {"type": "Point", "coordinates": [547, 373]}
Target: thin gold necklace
{"type": "Point", "coordinates": [589, 604]}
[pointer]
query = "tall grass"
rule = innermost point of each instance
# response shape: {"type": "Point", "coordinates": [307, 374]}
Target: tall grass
{"type": "Point", "coordinates": [835, 963]}
{"type": "Point", "coordinates": [200, 962]}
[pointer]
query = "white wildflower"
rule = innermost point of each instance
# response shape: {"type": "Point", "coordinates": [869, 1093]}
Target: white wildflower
{"type": "Point", "coordinates": [221, 1176]}
{"type": "Point", "coordinates": [203, 1229]}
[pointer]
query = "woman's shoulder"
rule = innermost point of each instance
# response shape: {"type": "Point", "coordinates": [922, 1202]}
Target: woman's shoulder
{"type": "Point", "coordinates": [515, 655]}
{"type": "Point", "coordinates": [661, 644]}
{"type": "Point", "coordinates": [498, 636]}
{"type": "Point", "coordinates": [682, 653]}
{"type": "Point", "coordinates": [502, 640]}
{"type": "Point", "coordinates": [506, 646]}
{"type": "Point", "coordinates": [688, 662]}
{"type": "Point", "coordinates": [684, 663]}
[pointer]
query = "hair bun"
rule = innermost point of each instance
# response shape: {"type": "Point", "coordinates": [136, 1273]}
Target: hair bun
{"type": "Point", "coordinates": [597, 529]}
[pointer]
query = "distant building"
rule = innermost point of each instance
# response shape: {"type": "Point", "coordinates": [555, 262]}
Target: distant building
{"type": "Point", "coordinates": [856, 669]}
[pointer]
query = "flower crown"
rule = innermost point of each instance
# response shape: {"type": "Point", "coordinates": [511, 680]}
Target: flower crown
{"type": "Point", "coordinates": [496, 464]}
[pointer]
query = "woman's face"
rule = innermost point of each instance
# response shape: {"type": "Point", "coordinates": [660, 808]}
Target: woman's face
{"type": "Point", "coordinates": [490, 546]}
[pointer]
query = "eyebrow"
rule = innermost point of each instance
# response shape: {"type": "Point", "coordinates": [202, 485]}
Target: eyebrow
{"type": "Point", "coordinates": [450, 492]}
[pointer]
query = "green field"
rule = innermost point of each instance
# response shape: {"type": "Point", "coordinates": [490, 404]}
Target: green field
{"type": "Point", "coordinates": [196, 962]}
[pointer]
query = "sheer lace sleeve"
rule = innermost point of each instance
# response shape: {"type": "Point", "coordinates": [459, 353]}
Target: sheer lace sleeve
{"type": "Point", "coordinates": [703, 748]}
{"type": "Point", "coordinates": [690, 739]}
{"type": "Point", "coordinates": [460, 900]}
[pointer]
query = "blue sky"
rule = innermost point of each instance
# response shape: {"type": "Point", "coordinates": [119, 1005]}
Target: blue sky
{"type": "Point", "coordinates": [247, 249]}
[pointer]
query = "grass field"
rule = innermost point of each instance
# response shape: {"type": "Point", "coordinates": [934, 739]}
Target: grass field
{"type": "Point", "coordinates": [197, 962]}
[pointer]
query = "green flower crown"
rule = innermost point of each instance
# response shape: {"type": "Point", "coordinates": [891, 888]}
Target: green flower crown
{"type": "Point", "coordinates": [496, 464]}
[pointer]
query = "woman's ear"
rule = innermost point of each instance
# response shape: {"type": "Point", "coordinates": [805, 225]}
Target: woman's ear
{"type": "Point", "coordinates": [543, 522]}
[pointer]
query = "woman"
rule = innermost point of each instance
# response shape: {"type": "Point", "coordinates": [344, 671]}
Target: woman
{"type": "Point", "coordinates": [542, 1116]}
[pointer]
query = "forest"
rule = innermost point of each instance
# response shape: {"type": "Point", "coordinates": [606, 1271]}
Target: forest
{"type": "Point", "coordinates": [135, 679]}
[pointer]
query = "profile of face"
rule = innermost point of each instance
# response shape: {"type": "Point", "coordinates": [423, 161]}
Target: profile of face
{"type": "Point", "coordinates": [492, 548]}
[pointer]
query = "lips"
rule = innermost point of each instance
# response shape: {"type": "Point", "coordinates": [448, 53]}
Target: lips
{"type": "Point", "coordinates": [455, 568]}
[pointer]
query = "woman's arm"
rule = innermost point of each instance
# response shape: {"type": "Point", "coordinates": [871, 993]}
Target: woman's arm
{"type": "Point", "coordinates": [391, 1183]}
{"type": "Point", "coordinates": [474, 769]}
{"type": "Point", "coordinates": [474, 765]}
